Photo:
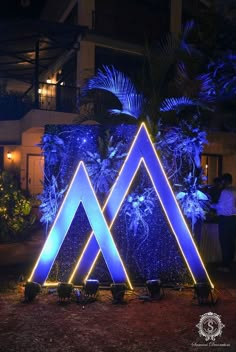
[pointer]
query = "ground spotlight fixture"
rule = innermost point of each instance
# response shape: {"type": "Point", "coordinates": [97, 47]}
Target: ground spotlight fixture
{"type": "Point", "coordinates": [91, 287]}
{"type": "Point", "coordinates": [32, 289]}
{"type": "Point", "coordinates": [204, 293]}
{"type": "Point", "coordinates": [118, 292]}
{"type": "Point", "coordinates": [155, 289]}
{"type": "Point", "coordinates": [64, 291]}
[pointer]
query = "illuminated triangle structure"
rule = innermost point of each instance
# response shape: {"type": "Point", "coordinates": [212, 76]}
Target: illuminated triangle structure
{"type": "Point", "coordinates": [100, 240]}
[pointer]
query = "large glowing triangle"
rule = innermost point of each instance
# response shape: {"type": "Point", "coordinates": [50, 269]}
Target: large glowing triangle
{"type": "Point", "coordinates": [142, 151]}
{"type": "Point", "coordinates": [80, 191]}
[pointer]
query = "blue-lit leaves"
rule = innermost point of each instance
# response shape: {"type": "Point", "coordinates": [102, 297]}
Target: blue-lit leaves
{"type": "Point", "coordinates": [104, 164]}
{"type": "Point", "coordinates": [193, 201]}
{"type": "Point", "coordinates": [184, 144]}
{"type": "Point", "coordinates": [176, 104]}
{"type": "Point", "coordinates": [137, 209]}
{"type": "Point", "coordinates": [121, 86]}
{"type": "Point", "coordinates": [184, 45]}
{"type": "Point", "coordinates": [223, 73]}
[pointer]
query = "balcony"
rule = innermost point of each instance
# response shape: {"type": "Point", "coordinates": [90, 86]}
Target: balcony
{"type": "Point", "coordinates": [52, 97]}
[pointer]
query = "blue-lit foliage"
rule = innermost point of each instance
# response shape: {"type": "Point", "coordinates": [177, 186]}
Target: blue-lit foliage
{"type": "Point", "coordinates": [137, 209]}
{"type": "Point", "coordinates": [143, 255]}
{"type": "Point", "coordinates": [53, 150]}
{"type": "Point", "coordinates": [195, 91]}
{"type": "Point", "coordinates": [143, 99]}
{"type": "Point", "coordinates": [223, 75]}
{"type": "Point", "coordinates": [135, 236]}
{"type": "Point", "coordinates": [176, 104]}
{"type": "Point", "coordinates": [104, 164]}
{"type": "Point", "coordinates": [193, 201]}
{"type": "Point", "coordinates": [181, 148]}
{"type": "Point", "coordinates": [184, 44]}
{"type": "Point", "coordinates": [117, 83]}
{"type": "Point", "coordinates": [185, 143]}
{"type": "Point", "coordinates": [50, 199]}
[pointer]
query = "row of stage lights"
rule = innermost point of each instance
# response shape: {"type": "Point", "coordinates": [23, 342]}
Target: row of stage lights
{"type": "Point", "coordinates": [203, 292]}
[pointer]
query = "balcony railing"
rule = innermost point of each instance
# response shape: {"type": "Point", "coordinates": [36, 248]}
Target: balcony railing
{"type": "Point", "coordinates": [56, 97]}
{"type": "Point", "coordinates": [47, 97]}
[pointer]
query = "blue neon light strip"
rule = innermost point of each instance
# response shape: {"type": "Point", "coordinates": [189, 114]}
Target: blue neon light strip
{"type": "Point", "coordinates": [142, 150]}
{"type": "Point", "coordinates": [80, 190]}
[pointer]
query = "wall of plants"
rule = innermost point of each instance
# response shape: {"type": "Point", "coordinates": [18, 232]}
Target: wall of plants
{"type": "Point", "coordinates": [141, 232]}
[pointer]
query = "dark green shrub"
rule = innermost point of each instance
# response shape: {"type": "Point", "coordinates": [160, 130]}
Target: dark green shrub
{"type": "Point", "coordinates": [16, 219]}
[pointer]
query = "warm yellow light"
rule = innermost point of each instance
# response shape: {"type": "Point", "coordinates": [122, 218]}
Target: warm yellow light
{"type": "Point", "coordinates": [9, 155]}
{"type": "Point", "coordinates": [49, 80]}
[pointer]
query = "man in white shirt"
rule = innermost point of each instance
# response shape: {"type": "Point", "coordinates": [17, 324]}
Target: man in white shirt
{"type": "Point", "coordinates": [226, 210]}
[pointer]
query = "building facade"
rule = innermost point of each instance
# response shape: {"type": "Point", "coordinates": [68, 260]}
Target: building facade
{"type": "Point", "coordinates": [48, 69]}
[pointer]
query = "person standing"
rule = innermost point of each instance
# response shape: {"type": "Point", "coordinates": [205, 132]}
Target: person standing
{"type": "Point", "coordinates": [226, 210]}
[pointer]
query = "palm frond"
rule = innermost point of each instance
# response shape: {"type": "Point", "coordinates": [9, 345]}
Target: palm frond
{"type": "Point", "coordinates": [207, 90]}
{"type": "Point", "coordinates": [188, 27]}
{"type": "Point", "coordinates": [168, 46]}
{"type": "Point", "coordinates": [177, 104]}
{"type": "Point", "coordinates": [181, 76]}
{"type": "Point", "coordinates": [224, 74]}
{"type": "Point", "coordinates": [184, 45]}
{"type": "Point", "coordinates": [121, 86]}
{"type": "Point", "coordinates": [133, 106]}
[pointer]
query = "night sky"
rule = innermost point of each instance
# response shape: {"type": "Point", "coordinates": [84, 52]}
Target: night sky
{"type": "Point", "coordinates": [12, 9]}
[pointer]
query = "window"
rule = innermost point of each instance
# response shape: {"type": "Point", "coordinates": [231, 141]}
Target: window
{"type": "Point", "coordinates": [212, 166]}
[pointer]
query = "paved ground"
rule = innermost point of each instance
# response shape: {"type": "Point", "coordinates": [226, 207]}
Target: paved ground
{"type": "Point", "coordinates": [168, 325]}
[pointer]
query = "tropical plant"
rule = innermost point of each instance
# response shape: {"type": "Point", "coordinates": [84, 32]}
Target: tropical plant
{"type": "Point", "coordinates": [50, 199]}
{"type": "Point", "coordinates": [160, 65]}
{"type": "Point", "coordinates": [138, 206]}
{"type": "Point", "coordinates": [53, 150]}
{"type": "Point", "coordinates": [193, 201]}
{"type": "Point", "coordinates": [52, 147]}
{"type": "Point", "coordinates": [185, 140]}
{"type": "Point", "coordinates": [181, 147]}
{"type": "Point", "coordinates": [16, 219]}
{"type": "Point", "coordinates": [104, 164]}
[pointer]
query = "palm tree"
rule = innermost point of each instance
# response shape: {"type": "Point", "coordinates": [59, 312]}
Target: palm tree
{"type": "Point", "coordinates": [146, 100]}
{"type": "Point", "coordinates": [182, 142]}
